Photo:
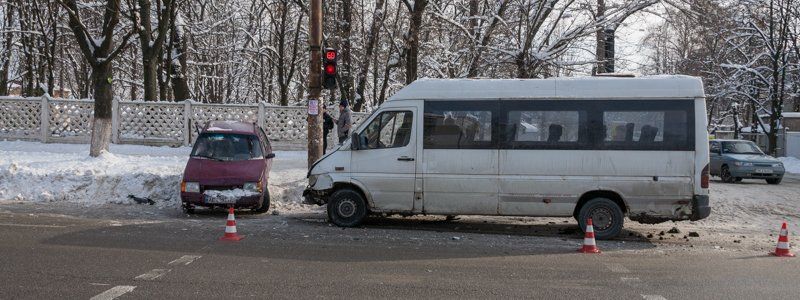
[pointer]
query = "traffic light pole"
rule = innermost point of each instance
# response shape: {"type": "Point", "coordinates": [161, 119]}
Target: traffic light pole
{"type": "Point", "coordinates": [314, 86]}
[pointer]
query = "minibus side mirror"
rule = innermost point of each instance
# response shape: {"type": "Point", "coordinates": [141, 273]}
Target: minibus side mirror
{"type": "Point", "coordinates": [355, 142]}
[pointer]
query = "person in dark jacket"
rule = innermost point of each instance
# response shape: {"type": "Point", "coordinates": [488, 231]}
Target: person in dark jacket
{"type": "Point", "coordinates": [327, 126]}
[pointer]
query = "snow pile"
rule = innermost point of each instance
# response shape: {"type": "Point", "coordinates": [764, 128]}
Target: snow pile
{"type": "Point", "coordinates": [36, 172]}
{"type": "Point", "coordinates": [791, 164]}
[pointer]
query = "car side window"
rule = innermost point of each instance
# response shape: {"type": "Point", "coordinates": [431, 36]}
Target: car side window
{"type": "Point", "coordinates": [390, 129]}
{"type": "Point", "coordinates": [714, 148]}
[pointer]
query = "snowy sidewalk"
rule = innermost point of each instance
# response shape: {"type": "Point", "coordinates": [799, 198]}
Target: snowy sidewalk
{"type": "Point", "coordinates": [37, 172]}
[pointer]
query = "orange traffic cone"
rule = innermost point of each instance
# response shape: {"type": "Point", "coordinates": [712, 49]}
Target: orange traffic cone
{"type": "Point", "coordinates": [589, 245]}
{"type": "Point", "coordinates": [230, 229]}
{"type": "Point", "coordinates": [783, 243]}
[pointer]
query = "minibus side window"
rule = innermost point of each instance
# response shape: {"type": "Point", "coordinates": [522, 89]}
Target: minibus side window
{"type": "Point", "coordinates": [646, 130]}
{"type": "Point", "coordinates": [550, 127]}
{"type": "Point", "coordinates": [460, 124]}
{"type": "Point", "coordinates": [390, 129]}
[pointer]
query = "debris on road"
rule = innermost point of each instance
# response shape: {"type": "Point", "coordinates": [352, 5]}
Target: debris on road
{"type": "Point", "coordinates": [674, 230]}
{"type": "Point", "coordinates": [139, 200]}
{"type": "Point", "coordinates": [694, 234]}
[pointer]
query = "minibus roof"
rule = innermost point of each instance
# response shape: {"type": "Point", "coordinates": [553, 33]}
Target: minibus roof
{"type": "Point", "coordinates": [647, 87]}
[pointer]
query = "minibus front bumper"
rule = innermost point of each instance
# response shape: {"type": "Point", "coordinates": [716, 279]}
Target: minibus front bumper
{"type": "Point", "coordinates": [312, 196]}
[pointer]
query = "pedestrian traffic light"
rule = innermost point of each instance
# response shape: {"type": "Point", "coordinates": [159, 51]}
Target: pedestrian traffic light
{"type": "Point", "coordinates": [329, 68]}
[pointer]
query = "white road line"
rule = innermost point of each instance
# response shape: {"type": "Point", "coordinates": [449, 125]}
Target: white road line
{"type": "Point", "coordinates": [153, 274]}
{"type": "Point", "coordinates": [653, 297]}
{"type": "Point", "coordinates": [631, 281]}
{"type": "Point", "coordinates": [32, 225]}
{"type": "Point", "coordinates": [185, 260]}
{"type": "Point", "coordinates": [617, 268]}
{"type": "Point", "coordinates": [113, 292]}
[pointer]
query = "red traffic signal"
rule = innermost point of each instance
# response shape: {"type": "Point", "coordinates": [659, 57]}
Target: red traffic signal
{"type": "Point", "coordinates": [329, 68]}
{"type": "Point", "coordinates": [330, 54]}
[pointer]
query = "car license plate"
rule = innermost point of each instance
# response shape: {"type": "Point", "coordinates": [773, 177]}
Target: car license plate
{"type": "Point", "coordinates": [219, 200]}
{"type": "Point", "coordinates": [764, 171]}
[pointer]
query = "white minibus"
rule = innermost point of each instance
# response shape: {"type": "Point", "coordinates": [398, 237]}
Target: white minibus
{"type": "Point", "coordinates": [597, 147]}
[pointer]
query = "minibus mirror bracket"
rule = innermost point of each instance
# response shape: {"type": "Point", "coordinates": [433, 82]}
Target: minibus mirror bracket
{"type": "Point", "coordinates": [355, 142]}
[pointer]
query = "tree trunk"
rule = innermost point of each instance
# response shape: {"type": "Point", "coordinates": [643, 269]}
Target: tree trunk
{"type": "Point", "coordinates": [345, 70]}
{"type": "Point", "coordinates": [412, 40]}
{"type": "Point", "coordinates": [103, 97]}
{"type": "Point", "coordinates": [180, 86]}
{"type": "Point", "coordinates": [600, 38]}
{"type": "Point", "coordinates": [150, 76]}
{"type": "Point", "coordinates": [9, 18]}
{"type": "Point", "coordinates": [377, 20]}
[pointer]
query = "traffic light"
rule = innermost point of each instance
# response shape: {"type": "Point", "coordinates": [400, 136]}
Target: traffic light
{"type": "Point", "coordinates": [329, 68]}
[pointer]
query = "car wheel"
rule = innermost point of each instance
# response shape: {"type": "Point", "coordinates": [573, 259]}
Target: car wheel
{"type": "Point", "coordinates": [726, 175]}
{"type": "Point", "coordinates": [347, 208]}
{"type": "Point", "coordinates": [774, 180]}
{"type": "Point", "coordinates": [188, 209]}
{"type": "Point", "coordinates": [264, 203]}
{"type": "Point", "coordinates": [607, 217]}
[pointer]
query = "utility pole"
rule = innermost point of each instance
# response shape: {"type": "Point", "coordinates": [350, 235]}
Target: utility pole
{"type": "Point", "coordinates": [314, 86]}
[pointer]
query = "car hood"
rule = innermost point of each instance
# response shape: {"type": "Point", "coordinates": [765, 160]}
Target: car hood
{"type": "Point", "coordinates": [754, 158]}
{"type": "Point", "coordinates": [214, 172]}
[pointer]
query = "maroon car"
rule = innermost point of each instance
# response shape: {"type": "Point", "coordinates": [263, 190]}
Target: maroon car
{"type": "Point", "coordinates": [229, 166]}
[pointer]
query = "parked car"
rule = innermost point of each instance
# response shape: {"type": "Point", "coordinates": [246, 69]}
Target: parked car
{"type": "Point", "coordinates": [229, 166]}
{"type": "Point", "coordinates": [734, 160]}
{"type": "Point", "coordinates": [599, 148]}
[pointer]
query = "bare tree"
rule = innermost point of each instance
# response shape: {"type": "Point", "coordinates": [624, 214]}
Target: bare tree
{"type": "Point", "coordinates": [99, 52]}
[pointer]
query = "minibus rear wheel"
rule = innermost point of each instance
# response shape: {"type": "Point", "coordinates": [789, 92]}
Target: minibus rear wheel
{"type": "Point", "coordinates": [607, 217]}
{"type": "Point", "coordinates": [347, 208]}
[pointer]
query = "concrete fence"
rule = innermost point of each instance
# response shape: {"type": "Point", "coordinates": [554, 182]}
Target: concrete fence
{"type": "Point", "coordinates": [53, 120]}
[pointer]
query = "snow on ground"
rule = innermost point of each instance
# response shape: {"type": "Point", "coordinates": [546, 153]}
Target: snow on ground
{"type": "Point", "coordinates": [744, 213]}
{"type": "Point", "coordinates": [791, 164]}
{"type": "Point", "coordinates": [37, 172]}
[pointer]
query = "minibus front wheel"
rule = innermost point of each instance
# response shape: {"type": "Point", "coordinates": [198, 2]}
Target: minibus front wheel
{"type": "Point", "coordinates": [347, 208]}
{"type": "Point", "coordinates": [607, 217]}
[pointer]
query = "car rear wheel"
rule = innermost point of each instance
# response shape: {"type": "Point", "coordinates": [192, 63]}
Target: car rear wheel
{"type": "Point", "coordinates": [264, 203]}
{"type": "Point", "coordinates": [774, 180]}
{"type": "Point", "coordinates": [607, 217]}
{"type": "Point", "coordinates": [726, 175]}
{"type": "Point", "coordinates": [347, 208]}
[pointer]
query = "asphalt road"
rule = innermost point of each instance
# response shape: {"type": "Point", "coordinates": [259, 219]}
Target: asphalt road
{"type": "Point", "coordinates": [45, 256]}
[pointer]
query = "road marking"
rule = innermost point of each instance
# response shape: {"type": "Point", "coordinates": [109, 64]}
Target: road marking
{"type": "Point", "coordinates": [631, 281]}
{"type": "Point", "coordinates": [114, 292]}
{"type": "Point", "coordinates": [653, 297]}
{"type": "Point", "coordinates": [617, 268]}
{"type": "Point", "coordinates": [32, 225]}
{"type": "Point", "coordinates": [185, 260]}
{"type": "Point", "coordinates": [153, 274]}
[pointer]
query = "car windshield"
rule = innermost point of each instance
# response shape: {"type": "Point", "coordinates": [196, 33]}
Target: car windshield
{"type": "Point", "coordinates": [227, 147]}
{"type": "Point", "coordinates": [740, 148]}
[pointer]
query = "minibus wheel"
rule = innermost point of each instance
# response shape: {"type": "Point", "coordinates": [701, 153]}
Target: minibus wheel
{"type": "Point", "coordinates": [607, 217]}
{"type": "Point", "coordinates": [346, 208]}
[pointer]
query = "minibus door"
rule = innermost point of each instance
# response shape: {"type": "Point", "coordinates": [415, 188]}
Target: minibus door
{"type": "Point", "coordinates": [385, 163]}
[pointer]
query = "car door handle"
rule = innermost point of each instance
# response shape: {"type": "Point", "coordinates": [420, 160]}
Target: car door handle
{"type": "Point", "coordinates": [404, 158]}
